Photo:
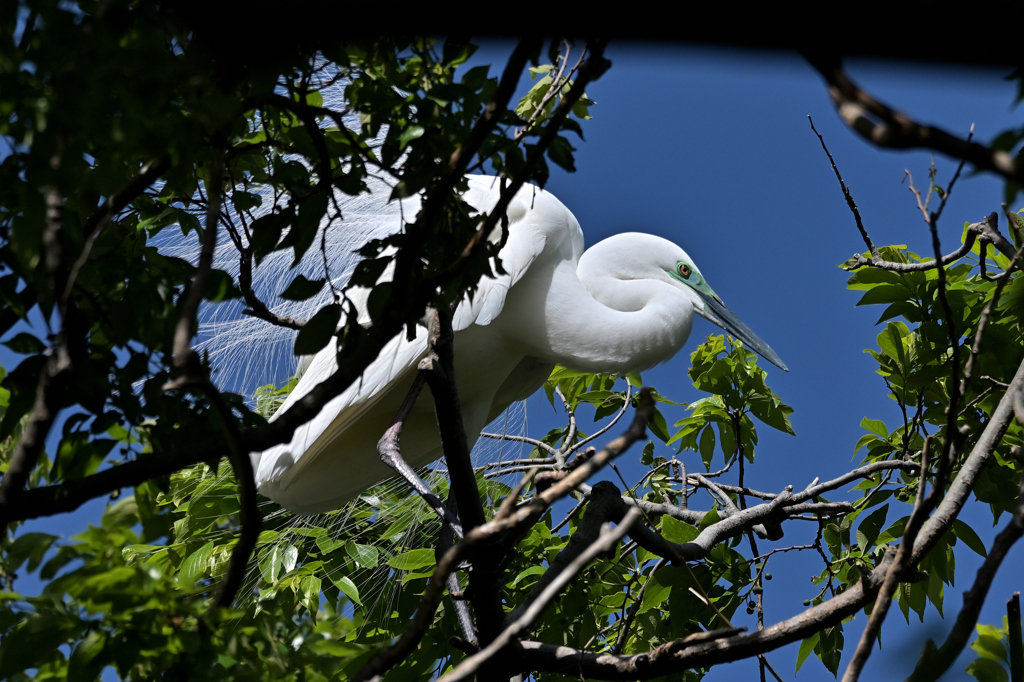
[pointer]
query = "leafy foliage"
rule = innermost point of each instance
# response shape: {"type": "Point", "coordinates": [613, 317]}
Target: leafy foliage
{"type": "Point", "coordinates": [993, 648]}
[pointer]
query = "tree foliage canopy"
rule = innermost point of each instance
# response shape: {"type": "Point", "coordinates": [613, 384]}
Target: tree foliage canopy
{"type": "Point", "coordinates": [125, 122]}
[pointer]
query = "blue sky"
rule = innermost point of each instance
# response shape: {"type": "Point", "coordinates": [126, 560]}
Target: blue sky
{"type": "Point", "coordinates": [712, 149]}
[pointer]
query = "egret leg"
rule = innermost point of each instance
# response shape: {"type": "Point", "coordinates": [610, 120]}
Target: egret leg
{"type": "Point", "coordinates": [391, 454]}
{"type": "Point", "coordinates": [445, 540]}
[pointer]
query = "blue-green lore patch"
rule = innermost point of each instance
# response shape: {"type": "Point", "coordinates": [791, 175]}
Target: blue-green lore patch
{"type": "Point", "coordinates": [691, 277]}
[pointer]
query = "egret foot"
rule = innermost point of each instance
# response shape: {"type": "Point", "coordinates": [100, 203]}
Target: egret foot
{"type": "Point", "coordinates": [391, 454]}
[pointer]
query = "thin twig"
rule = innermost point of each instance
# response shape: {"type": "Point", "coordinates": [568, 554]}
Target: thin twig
{"type": "Point", "coordinates": [609, 425]}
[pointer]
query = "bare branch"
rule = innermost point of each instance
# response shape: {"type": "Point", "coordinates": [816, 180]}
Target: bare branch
{"type": "Point", "coordinates": [615, 420]}
{"type": "Point", "coordinates": [438, 368]}
{"type": "Point", "coordinates": [627, 621]}
{"type": "Point", "coordinates": [1013, 636]}
{"type": "Point", "coordinates": [258, 308]}
{"type": "Point", "coordinates": [849, 197]}
{"type": "Point", "coordinates": [540, 445]}
{"type": "Point", "coordinates": [883, 126]}
{"type": "Point", "coordinates": [116, 202]}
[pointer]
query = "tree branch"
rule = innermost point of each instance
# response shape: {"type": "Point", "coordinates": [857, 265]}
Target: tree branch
{"type": "Point", "coordinates": [117, 202]}
{"type": "Point", "coordinates": [459, 161]}
{"type": "Point", "coordinates": [605, 507]}
{"type": "Point", "coordinates": [896, 569]}
{"type": "Point", "coordinates": [52, 378]}
{"type": "Point", "coordinates": [550, 658]}
{"type": "Point", "coordinates": [258, 308]}
{"type": "Point", "coordinates": [590, 70]}
{"type": "Point", "coordinates": [934, 662]}
{"type": "Point", "coordinates": [883, 126]}
{"type": "Point", "coordinates": [250, 518]}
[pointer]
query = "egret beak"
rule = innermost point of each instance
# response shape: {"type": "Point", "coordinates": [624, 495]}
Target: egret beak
{"type": "Point", "coordinates": [716, 312]}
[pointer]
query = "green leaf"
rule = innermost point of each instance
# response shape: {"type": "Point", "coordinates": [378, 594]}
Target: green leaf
{"type": "Point", "coordinates": [532, 570]}
{"type": "Point", "coordinates": [31, 547]}
{"type": "Point", "coordinates": [412, 560]}
{"type": "Point", "coordinates": [86, 661]}
{"type": "Point", "coordinates": [891, 342]}
{"type": "Point", "coordinates": [31, 641]}
{"type": "Point", "coordinates": [985, 670]}
{"type": "Point", "coordinates": [655, 592]}
{"type": "Point", "coordinates": [311, 586]}
{"type": "Point", "coordinates": [193, 568]}
{"type": "Point", "coordinates": [990, 644]}
{"type": "Point", "coordinates": [874, 426]}
{"type": "Point", "coordinates": [221, 287]}
{"type": "Point", "coordinates": [677, 531]}
{"type": "Point", "coordinates": [710, 519]}
{"type": "Point", "coordinates": [346, 585]}
{"type": "Point", "coordinates": [707, 446]}
{"type": "Point", "coordinates": [366, 556]}
{"type": "Point", "coordinates": [326, 544]}
{"type": "Point", "coordinates": [25, 343]}
{"type": "Point", "coordinates": [409, 134]}
{"type": "Point", "coordinates": [301, 288]}
{"type": "Point", "coordinates": [266, 233]}
{"type": "Point", "coordinates": [806, 647]}
{"type": "Point", "coordinates": [244, 201]}
{"type": "Point", "coordinates": [658, 426]}
{"type": "Point", "coordinates": [317, 332]}
{"type": "Point", "coordinates": [893, 532]}
{"type": "Point", "coordinates": [867, 531]}
{"type": "Point", "coordinates": [969, 537]}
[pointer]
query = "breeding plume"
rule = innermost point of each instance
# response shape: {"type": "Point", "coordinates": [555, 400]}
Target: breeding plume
{"type": "Point", "coordinates": [624, 305]}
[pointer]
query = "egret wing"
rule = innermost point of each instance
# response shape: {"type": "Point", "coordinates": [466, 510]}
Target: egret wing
{"type": "Point", "coordinates": [278, 466]}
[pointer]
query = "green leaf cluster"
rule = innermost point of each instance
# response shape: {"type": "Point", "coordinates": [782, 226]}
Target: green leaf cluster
{"type": "Point", "coordinates": [722, 422]}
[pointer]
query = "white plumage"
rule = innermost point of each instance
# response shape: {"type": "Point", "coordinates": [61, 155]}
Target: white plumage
{"type": "Point", "coordinates": [625, 305]}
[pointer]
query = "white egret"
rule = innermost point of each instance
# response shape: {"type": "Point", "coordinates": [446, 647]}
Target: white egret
{"type": "Point", "coordinates": [624, 305]}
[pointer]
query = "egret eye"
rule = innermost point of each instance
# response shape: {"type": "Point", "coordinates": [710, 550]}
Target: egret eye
{"type": "Point", "coordinates": [684, 269]}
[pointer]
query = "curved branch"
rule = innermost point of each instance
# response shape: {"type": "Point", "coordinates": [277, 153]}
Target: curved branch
{"type": "Point", "coordinates": [258, 308]}
{"type": "Point", "coordinates": [615, 420]}
{"type": "Point", "coordinates": [884, 126]}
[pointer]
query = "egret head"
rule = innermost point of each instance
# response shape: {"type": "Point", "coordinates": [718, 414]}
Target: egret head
{"type": "Point", "coordinates": [706, 303]}
{"type": "Point", "coordinates": [638, 256]}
